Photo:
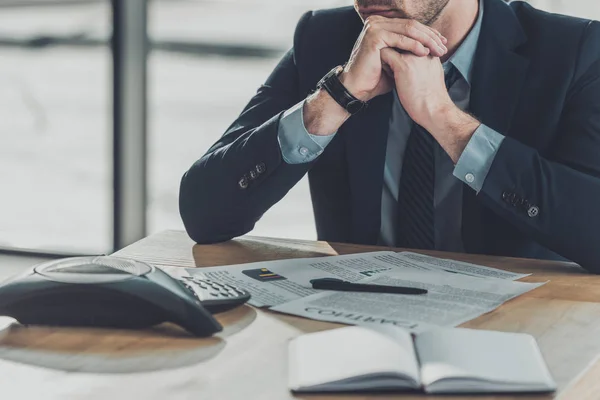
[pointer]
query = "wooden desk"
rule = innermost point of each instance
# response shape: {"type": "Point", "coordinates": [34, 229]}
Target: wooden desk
{"type": "Point", "coordinates": [248, 360]}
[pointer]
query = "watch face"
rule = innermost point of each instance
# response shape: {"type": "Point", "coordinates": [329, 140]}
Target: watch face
{"type": "Point", "coordinates": [354, 106]}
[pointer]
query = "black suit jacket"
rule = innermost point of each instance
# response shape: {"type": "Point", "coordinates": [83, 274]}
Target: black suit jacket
{"type": "Point", "coordinates": [536, 80]}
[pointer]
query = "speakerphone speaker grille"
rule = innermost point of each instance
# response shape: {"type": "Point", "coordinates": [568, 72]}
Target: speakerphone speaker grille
{"type": "Point", "coordinates": [98, 265]}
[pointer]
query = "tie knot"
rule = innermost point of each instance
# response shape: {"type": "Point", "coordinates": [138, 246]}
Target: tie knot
{"type": "Point", "coordinates": [452, 75]}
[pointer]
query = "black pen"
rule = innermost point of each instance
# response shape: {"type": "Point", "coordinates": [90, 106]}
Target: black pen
{"type": "Point", "coordinates": [344, 286]}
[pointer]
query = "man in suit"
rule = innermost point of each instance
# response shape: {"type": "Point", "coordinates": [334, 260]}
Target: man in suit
{"type": "Point", "coordinates": [481, 132]}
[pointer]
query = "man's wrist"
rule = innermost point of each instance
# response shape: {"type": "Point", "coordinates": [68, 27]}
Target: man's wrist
{"type": "Point", "coordinates": [322, 114]}
{"type": "Point", "coordinates": [348, 83]}
{"type": "Point", "coordinates": [452, 128]}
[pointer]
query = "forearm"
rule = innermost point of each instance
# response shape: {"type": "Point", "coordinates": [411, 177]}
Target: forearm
{"type": "Point", "coordinates": [322, 114]}
{"type": "Point", "coordinates": [452, 128]}
{"type": "Point", "coordinates": [552, 203]}
{"type": "Point", "coordinates": [252, 167]}
{"type": "Point", "coordinates": [226, 192]}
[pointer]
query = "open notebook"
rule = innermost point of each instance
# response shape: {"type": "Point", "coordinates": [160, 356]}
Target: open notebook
{"type": "Point", "coordinates": [444, 360]}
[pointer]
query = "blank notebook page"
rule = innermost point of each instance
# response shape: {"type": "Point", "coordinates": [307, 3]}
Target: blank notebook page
{"type": "Point", "coordinates": [335, 355]}
{"type": "Point", "coordinates": [490, 356]}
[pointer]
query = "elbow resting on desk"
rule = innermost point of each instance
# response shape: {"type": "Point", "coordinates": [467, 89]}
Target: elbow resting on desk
{"type": "Point", "coordinates": [205, 220]}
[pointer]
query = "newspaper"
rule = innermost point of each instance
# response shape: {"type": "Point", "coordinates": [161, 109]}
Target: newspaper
{"type": "Point", "coordinates": [457, 267]}
{"type": "Point", "coordinates": [451, 300]}
{"type": "Point", "coordinates": [273, 283]}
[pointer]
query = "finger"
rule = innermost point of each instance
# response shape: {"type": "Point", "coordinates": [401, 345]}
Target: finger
{"type": "Point", "coordinates": [441, 40]}
{"type": "Point", "coordinates": [427, 36]}
{"type": "Point", "coordinates": [390, 58]}
{"type": "Point", "coordinates": [437, 36]}
{"type": "Point", "coordinates": [405, 43]}
{"type": "Point", "coordinates": [418, 31]}
{"type": "Point", "coordinates": [444, 40]}
{"type": "Point", "coordinates": [387, 69]}
{"type": "Point", "coordinates": [399, 25]}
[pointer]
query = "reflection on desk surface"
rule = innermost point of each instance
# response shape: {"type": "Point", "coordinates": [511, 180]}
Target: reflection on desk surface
{"type": "Point", "coordinates": [116, 351]}
{"type": "Point", "coordinates": [106, 351]}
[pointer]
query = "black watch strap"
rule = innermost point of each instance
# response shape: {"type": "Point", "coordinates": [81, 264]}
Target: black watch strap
{"type": "Point", "coordinates": [331, 83]}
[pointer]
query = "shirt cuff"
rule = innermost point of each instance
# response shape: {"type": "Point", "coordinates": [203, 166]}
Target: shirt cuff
{"type": "Point", "coordinates": [296, 144]}
{"type": "Point", "coordinates": [475, 162]}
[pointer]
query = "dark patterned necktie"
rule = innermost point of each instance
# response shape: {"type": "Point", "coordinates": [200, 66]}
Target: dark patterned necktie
{"type": "Point", "coordinates": [416, 219]}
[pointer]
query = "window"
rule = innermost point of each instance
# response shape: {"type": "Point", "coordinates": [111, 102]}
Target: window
{"type": "Point", "coordinates": [198, 90]}
{"type": "Point", "coordinates": [579, 8]}
{"type": "Point", "coordinates": [55, 127]}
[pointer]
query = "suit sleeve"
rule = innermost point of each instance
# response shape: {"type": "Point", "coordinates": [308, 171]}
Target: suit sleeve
{"type": "Point", "coordinates": [241, 176]}
{"type": "Point", "coordinates": [296, 143]}
{"type": "Point", "coordinates": [556, 199]}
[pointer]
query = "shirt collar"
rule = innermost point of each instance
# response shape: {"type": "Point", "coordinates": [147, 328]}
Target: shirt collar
{"type": "Point", "coordinates": [463, 58]}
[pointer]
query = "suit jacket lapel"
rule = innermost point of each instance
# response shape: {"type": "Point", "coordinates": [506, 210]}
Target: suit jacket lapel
{"type": "Point", "coordinates": [499, 72]}
{"type": "Point", "coordinates": [498, 76]}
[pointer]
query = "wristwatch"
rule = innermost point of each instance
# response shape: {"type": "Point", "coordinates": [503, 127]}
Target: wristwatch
{"type": "Point", "coordinates": [331, 83]}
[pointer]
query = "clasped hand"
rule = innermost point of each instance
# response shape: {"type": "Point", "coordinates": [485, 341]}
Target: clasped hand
{"type": "Point", "coordinates": [406, 54]}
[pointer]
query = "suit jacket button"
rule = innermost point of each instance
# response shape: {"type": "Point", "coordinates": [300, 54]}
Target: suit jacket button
{"type": "Point", "coordinates": [505, 196]}
{"type": "Point", "coordinates": [260, 168]}
{"type": "Point", "coordinates": [253, 174]}
{"type": "Point", "coordinates": [533, 211]}
{"type": "Point", "coordinates": [243, 183]}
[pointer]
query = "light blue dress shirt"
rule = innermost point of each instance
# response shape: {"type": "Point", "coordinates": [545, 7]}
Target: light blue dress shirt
{"type": "Point", "coordinates": [299, 146]}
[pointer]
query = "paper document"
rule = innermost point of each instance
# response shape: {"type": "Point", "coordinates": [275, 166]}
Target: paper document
{"type": "Point", "coordinates": [276, 282]}
{"type": "Point", "coordinates": [421, 261]}
{"type": "Point", "coordinates": [452, 300]}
